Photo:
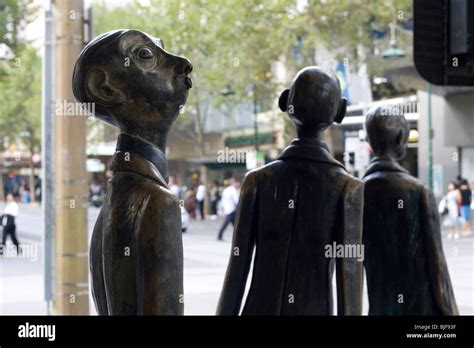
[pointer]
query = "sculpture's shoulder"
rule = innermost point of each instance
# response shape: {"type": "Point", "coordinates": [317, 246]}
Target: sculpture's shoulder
{"type": "Point", "coordinates": [261, 174]}
{"type": "Point", "coordinates": [133, 199]}
{"type": "Point", "coordinates": [135, 187]}
{"type": "Point", "coordinates": [353, 188]}
{"type": "Point", "coordinates": [395, 179]}
{"type": "Point", "coordinates": [351, 181]}
{"type": "Point", "coordinates": [288, 170]}
{"type": "Point", "coordinates": [158, 200]}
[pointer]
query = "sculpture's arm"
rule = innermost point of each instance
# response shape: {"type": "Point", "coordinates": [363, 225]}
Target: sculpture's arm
{"type": "Point", "coordinates": [159, 259]}
{"type": "Point", "coordinates": [96, 270]}
{"type": "Point", "coordinates": [349, 276]}
{"type": "Point", "coordinates": [438, 270]}
{"type": "Point", "coordinates": [243, 242]}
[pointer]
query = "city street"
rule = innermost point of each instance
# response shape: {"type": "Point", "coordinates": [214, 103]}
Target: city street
{"type": "Point", "coordinates": [205, 259]}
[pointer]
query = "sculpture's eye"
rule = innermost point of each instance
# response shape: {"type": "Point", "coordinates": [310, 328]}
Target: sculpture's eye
{"type": "Point", "coordinates": [145, 53]}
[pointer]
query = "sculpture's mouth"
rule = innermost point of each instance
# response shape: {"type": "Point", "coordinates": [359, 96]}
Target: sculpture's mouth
{"type": "Point", "coordinates": [188, 82]}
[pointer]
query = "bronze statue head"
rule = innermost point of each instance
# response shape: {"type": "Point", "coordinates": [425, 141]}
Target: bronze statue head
{"type": "Point", "coordinates": [387, 131]}
{"type": "Point", "coordinates": [133, 82]}
{"type": "Point", "coordinates": [313, 101]}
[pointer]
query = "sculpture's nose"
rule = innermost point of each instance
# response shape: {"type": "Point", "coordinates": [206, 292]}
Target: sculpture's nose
{"type": "Point", "coordinates": [184, 67]}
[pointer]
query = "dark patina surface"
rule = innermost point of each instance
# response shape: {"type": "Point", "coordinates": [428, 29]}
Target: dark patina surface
{"type": "Point", "coordinates": [290, 210]}
{"type": "Point", "coordinates": [136, 254]}
{"type": "Point", "coordinates": [405, 264]}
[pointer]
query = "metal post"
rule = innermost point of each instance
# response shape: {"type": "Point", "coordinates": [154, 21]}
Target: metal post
{"type": "Point", "coordinates": [430, 140]}
{"type": "Point", "coordinates": [71, 294]}
{"type": "Point", "coordinates": [47, 151]}
{"type": "Point", "coordinates": [459, 148]}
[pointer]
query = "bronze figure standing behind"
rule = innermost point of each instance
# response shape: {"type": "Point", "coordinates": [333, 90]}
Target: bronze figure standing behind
{"type": "Point", "coordinates": [292, 210]}
{"type": "Point", "coordinates": [405, 265]}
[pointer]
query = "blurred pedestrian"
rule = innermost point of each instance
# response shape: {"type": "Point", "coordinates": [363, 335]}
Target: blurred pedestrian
{"type": "Point", "coordinates": [176, 190]}
{"type": "Point", "coordinates": [213, 190]}
{"type": "Point", "coordinates": [472, 194]}
{"type": "Point", "coordinates": [200, 196]}
{"type": "Point", "coordinates": [448, 208]}
{"type": "Point", "coordinates": [465, 208]}
{"type": "Point", "coordinates": [190, 203]}
{"type": "Point", "coordinates": [10, 212]}
{"type": "Point", "coordinates": [174, 187]}
{"type": "Point", "coordinates": [230, 200]}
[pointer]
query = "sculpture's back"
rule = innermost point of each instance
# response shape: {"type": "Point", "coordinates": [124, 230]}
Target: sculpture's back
{"type": "Point", "coordinates": [291, 210]}
{"type": "Point", "coordinates": [405, 265]}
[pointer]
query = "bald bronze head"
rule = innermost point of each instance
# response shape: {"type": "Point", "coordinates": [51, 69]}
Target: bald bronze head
{"type": "Point", "coordinates": [313, 101]}
{"type": "Point", "coordinates": [133, 82]}
{"type": "Point", "coordinates": [387, 132]}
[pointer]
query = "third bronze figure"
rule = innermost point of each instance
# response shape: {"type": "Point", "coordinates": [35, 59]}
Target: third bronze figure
{"type": "Point", "coordinates": [405, 264]}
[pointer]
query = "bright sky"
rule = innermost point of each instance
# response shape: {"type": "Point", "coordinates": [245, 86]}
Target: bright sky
{"type": "Point", "coordinates": [35, 30]}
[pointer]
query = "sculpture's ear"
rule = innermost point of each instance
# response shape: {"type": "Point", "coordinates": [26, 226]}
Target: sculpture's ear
{"type": "Point", "coordinates": [400, 137]}
{"type": "Point", "coordinates": [342, 111]}
{"type": "Point", "coordinates": [100, 90]}
{"type": "Point", "coordinates": [283, 100]}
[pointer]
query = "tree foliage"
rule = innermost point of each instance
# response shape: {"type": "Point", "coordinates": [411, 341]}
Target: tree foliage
{"type": "Point", "coordinates": [14, 16]}
{"type": "Point", "coordinates": [20, 110]}
{"type": "Point", "coordinates": [233, 43]}
{"type": "Point", "coordinates": [20, 76]}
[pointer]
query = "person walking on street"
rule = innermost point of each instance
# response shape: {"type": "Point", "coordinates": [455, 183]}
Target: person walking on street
{"type": "Point", "coordinates": [448, 208]}
{"type": "Point", "coordinates": [174, 187]}
{"type": "Point", "coordinates": [190, 203]}
{"type": "Point", "coordinates": [200, 196]}
{"type": "Point", "coordinates": [7, 220]}
{"type": "Point", "coordinates": [213, 198]}
{"type": "Point", "coordinates": [230, 199]}
{"type": "Point", "coordinates": [465, 209]}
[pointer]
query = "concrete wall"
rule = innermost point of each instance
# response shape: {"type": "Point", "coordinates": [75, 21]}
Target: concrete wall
{"type": "Point", "coordinates": [453, 125]}
{"type": "Point", "coordinates": [444, 166]}
{"type": "Point", "coordinates": [460, 120]}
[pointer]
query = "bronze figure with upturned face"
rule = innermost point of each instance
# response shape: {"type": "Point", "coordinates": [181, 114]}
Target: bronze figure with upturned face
{"type": "Point", "coordinates": [405, 264]}
{"type": "Point", "coordinates": [292, 210]}
{"type": "Point", "coordinates": [136, 253]}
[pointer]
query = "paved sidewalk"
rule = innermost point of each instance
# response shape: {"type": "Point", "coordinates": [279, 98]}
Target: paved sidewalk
{"type": "Point", "coordinates": [205, 261]}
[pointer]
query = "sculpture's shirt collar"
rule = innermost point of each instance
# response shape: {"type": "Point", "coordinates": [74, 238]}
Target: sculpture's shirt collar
{"type": "Point", "coordinates": [384, 164]}
{"type": "Point", "coordinates": [130, 143]}
{"type": "Point", "coordinates": [309, 149]}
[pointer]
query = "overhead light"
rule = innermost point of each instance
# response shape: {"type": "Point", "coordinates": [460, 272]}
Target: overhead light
{"type": "Point", "coordinates": [393, 51]}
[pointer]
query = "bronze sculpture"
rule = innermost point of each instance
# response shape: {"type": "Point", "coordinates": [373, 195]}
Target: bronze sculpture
{"type": "Point", "coordinates": [405, 264]}
{"type": "Point", "coordinates": [291, 210]}
{"type": "Point", "coordinates": [136, 253]}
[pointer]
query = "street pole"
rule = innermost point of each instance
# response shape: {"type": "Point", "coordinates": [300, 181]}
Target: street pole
{"type": "Point", "coordinates": [47, 152]}
{"type": "Point", "coordinates": [430, 140]}
{"type": "Point", "coordinates": [71, 243]}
